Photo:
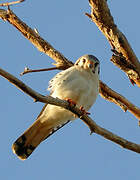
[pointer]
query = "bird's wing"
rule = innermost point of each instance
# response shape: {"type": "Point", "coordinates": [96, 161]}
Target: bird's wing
{"type": "Point", "coordinates": [59, 78]}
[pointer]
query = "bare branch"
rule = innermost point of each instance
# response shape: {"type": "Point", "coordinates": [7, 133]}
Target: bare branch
{"type": "Point", "coordinates": [11, 3]}
{"type": "Point", "coordinates": [58, 102]}
{"type": "Point", "coordinates": [125, 66]}
{"type": "Point", "coordinates": [101, 16]}
{"type": "Point", "coordinates": [27, 70]}
{"type": "Point", "coordinates": [35, 39]}
{"type": "Point", "coordinates": [110, 95]}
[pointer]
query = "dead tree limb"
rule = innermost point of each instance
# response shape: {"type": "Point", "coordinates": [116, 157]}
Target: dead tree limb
{"type": "Point", "coordinates": [27, 70]}
{"type": "Point", "coordinates": [86, 119]}
{"type": "Point", "coordinates": [36, 39]}
{"type": "Point", "coordinates": [101, 16]}
{"type": "Point", "coordinates": [112, 96]}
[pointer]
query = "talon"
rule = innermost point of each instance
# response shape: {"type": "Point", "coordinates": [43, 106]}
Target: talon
{"type": "Point", "coordinates": [71, 102]}
{"type": "Point", "coordinates": [84, 111]}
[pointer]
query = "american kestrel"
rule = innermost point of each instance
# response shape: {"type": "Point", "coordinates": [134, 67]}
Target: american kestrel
{"type": "Point", "coordinates": [79, 83]}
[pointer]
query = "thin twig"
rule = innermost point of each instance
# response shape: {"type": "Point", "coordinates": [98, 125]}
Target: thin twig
{"type": "Point", "coordinates": [58, 102]}
{"type": "Point", "coordinates": [11, 3]}
{"type": "Point", "coordinates": [27, 70]}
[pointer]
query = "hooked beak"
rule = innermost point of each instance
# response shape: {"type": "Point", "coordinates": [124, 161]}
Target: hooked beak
{"type": "Point", "coordinates": [91, 66]}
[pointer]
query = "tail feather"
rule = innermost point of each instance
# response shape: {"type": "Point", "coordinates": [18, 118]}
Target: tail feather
{"type": "Point", "coordinates": [26, 143]}
{"type": "Point", "coordinates": [32, 137]}
{"type": "Point", "coordinates": [20, 149]}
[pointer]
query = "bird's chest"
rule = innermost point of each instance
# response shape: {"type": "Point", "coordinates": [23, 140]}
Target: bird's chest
{"type": "Point", "coordinates": [88, 95]}
{"type": "Point", "coordinates": [81, 89]}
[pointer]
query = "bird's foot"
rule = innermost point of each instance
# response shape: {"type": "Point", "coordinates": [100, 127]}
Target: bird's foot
{"type": "Point", "coordinates": [71, 102]}
{"type": "Point", "coordinates": [84, 111]}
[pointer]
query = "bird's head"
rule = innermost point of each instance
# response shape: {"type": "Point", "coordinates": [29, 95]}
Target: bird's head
{"type": "Point", "coordinates": [89, 62]}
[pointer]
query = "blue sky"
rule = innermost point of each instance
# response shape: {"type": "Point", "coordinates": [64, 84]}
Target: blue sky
{"type": "Point", "coordinates": [71, 153]}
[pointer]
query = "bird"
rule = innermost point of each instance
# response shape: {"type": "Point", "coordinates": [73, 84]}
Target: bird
{"type": "Point", "coordinates": [78, 84]}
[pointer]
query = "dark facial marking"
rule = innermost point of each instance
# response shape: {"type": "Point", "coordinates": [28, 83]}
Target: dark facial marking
{"type": "Point", "coordinates": [98, 70]}
{"type": "Point", "coordinates": [96, 64]}
{"type": "Point", "coordinates": [84, 60]}
{"type": "Point", "coordinates": [77, 63]}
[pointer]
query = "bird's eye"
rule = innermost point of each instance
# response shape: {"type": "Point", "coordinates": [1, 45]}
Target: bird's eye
{"type": "Point", "coordinates": [84, 60]}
